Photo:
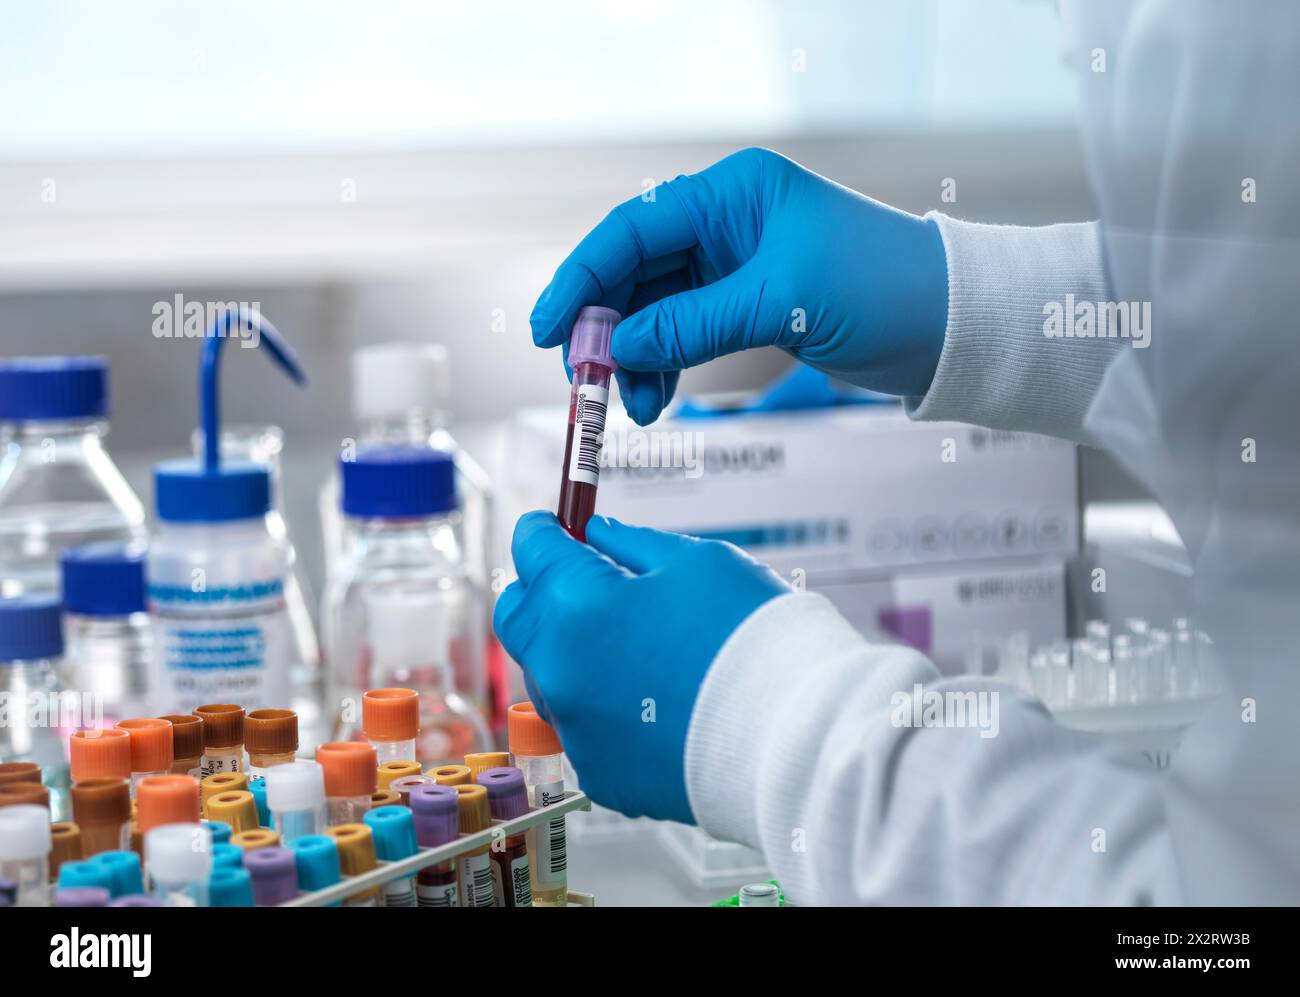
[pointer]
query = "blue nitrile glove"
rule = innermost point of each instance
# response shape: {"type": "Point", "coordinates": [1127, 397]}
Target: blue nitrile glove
{"type": "Point", "coordinates": [757, 251]}
{"type": "Point", "coordinates": [799, 389]}
{"type": "Point", "coordinates": [615, 639]}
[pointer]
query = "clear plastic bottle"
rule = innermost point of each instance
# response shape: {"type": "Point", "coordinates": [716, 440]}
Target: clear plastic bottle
{"type": "Point", "coordinates": [261, 446]}
{"type": "Point", "coordinates": [216, 571]}
{"type": "Point", "coordinates": [107, 631]}
{"type": "Point", "coordinates": [58, 486]}
{"type": "Point", "coordinates": [400, 398]}
{"type": "Point", "coordinates": [401, 609]}
{"type": "Point", "coordinates": [31, 648]}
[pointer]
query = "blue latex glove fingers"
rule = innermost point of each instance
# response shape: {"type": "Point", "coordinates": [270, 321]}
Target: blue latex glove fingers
{"type": "Point", "coordinates": [757, 251]}
{"type": "Point", "coordinates": [615, 639]}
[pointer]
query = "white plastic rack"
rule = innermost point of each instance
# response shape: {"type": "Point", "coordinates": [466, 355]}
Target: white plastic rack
{"type": "Point", "coordinates": [387, 871]}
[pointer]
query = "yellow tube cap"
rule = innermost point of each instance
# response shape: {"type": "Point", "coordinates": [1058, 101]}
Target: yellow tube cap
{"type": "Point", "coordinates": [483, 760]}
{"type": "Point", "coordinates": [396, 770]}
{"type": "Point", "coordinates": [221, 782]}
{"type": "Point", "coordinates": [236, 808]}
{"type": "Point", "coordinates": [475, 813]}
{"type": "Point", "coordinates": [262, 837]}
{"type": "Point", "coordinates": [451, 775]}
{"type": "Point", "coordinates": [356, 845]}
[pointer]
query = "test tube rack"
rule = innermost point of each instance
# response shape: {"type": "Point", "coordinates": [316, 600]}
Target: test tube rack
{"type": "Point", "coordinates": [386, 872]}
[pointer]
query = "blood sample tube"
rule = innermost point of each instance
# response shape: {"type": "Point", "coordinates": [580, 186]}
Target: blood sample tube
{"type": "Point", "coordinates": [393, 829]}
{"type": "Point", "coordinates": [222, 782]}
{"type": "Point", "coordinates": [451, 775]}
{"type": "Point", "coordinates": [223, 738]}
{"type": "Point", "coordinates": [151, 747]}
{"type": "Point", "coordinates": [474, 868]}
{"type": "Point", "coordinates": [592, 365]}
{"type": "Point", "coordinates": [540, 757]}
{"type": "Point", "coordinates": [235, 808]}
{"type": "Point", "coordinates": [187, 743]}
{"type": "Point", "coordinates": [274, 872]}
{"type": "Point", "coordinates": [24, 853]}
{"type": "Point", "coordinates": [351, 777]}
{"type": "Point", "coordinates": [296, 795]}
{"type": "Point", "coordinates": [436, 810]}
{"type": "Point", "coordinates": [403, 786]}
{"type": "Point", "coordinates": [271, 737]}
{"type": "Point", "coordinates": [100, 754]}
{"type": "Point", "coordinates": [179, 857]}
{"type": "Point", "coordinates": [102, 809]}
{"type": "Point", "coordinates": [390, 772]}
{"type": "Point", "coordinates": [508, 798]}
{"type": "Point", "coordinates": [65, 846]}
{"type": "Point", "coordinates": [19, 772]}
{"type": "Point", "coordinates": [390, 720]}
{"type": "Point", "coordinates": [356, 845]}
{"type": "Point", "coordinates": [166, 799]}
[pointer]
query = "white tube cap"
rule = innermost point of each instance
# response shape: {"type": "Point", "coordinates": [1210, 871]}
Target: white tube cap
{"type": "Point", "coordinates": [24, 833]}
{"type": "Point", "coordinates": [395, 379]}
{"type": "Point", "coordinates": [295, 786]}
{"type": "Point", "coordinates": [179, 853]}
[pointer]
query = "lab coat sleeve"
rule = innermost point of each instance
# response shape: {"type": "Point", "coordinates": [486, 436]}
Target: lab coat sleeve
{"type": "Point", "coordinates": [999, 367]}
{"type": "Point", "coordinates": [804, 744]}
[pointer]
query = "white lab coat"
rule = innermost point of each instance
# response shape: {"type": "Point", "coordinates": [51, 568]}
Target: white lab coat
{"type": "Point", "coordinates": [792, 747]}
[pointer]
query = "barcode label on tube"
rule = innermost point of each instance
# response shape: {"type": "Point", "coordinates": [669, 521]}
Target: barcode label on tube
{"type": "Point", "coordinates": [552, 856]}
{"type": "Point", "coordinates": [588, 433]}
{"type": "Point", "coordinates": [476, 880]}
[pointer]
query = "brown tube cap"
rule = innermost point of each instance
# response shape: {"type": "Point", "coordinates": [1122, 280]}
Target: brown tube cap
{"type": "Point", "coordinates": [390, 772]}
{"type": "Point", "coordinates": [451, 775]}
{"type": "Point", "coordinates": [187, 735]}
{"type": "Point", "coordinates": [19, 772]}
{"type": "Point", "coordinates": [481, 761]}
{"type": "Point", "coordinates": [351, 768]}
{"type": "Point", "coordinates": [234, 808]}
{"type": "Point", "coordinates": [151, 743]}
{"type": "Point", "coordinates": [390, 714]}
{"type": "Point", "coordinates": [223, 725]}
{"type": "Point", "coordinates": [271, 732]}
{"type": "Point", "coordinates": [99, 754]}
{"type": "Point", "coordinates": [262, 837]}
{"type": "Point", "coordinates": [101, 801]}
{"type": "Point", "coordinates": [166, 799]}
{"type": "Point", "coordinates": [65, 845]}
{"type": "Point", "coordinates": [24, 794]}
{"type": "Point", "coordinates": [475, 813]}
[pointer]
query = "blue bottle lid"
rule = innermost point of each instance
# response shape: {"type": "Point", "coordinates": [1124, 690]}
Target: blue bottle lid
{"type": "Point", "coordinates": [40, 388]}
{"type": "Point", "coordinates": [208, 490]}
{"type": "Point", "coordinates": [257, 786]}
{"type": "Point", "coordinates": [104, 579]}
{"type": "Point", "coordinates": [317, 857]}
{"type": "Point", "coordinates": [124, 870]}
{"type": "Point", "coordinates": [31, 627]}
{"type": "Point", "coordinates": [226, 854]}
{"type": "Point", "coordinates": [230, 886]}
{"type": "Point", "coordinates": [221, 831]}
{"type": "Point", "coordinates": [73, 874]}
{"type": "Point", "coordinates": [398, 483]}
{"type": "Point", "coordinates": [394, 831]}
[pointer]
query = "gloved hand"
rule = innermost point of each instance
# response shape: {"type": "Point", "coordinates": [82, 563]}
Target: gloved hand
{"type": "Point", "coordinates": [615, 639]}
{"type": "Point", "coordinates": [757, 251]}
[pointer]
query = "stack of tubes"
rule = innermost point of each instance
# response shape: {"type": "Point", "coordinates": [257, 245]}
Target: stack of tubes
{"type": "Point", "coordinates": [216, 809]}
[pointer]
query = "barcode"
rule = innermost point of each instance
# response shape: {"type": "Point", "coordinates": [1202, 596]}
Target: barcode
{"type": "Point", "coordinates": [480, 887]}
{"type": "Point", "coordinates": [522, 884]}
{"type": "Point", "coordinates": [399, 894]}
{"type": "Point", "coordinates": [590, 423]}
{"type": "Point", "coordinates": [556, 846]}
{"type": "Point", "coordinates": [437, 896]}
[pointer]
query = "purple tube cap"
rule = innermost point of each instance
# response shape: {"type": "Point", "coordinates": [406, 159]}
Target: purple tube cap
{"type": "Point", "coordinates": [507, 792]}
{"type": "Point", "coordinates": [593, 332]}
{"type": "Point", "coordinates": [436, 810]}
{"type": "Point", "coordinates": [81, 896]}
{"type": "Point", "coordinates": [274, 872]}
{"type": "Point", "coordinates": [135, 900]}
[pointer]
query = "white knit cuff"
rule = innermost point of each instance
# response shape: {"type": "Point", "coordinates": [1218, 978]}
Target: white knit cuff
{"type": "Point", "coordinates": [998, 367]}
